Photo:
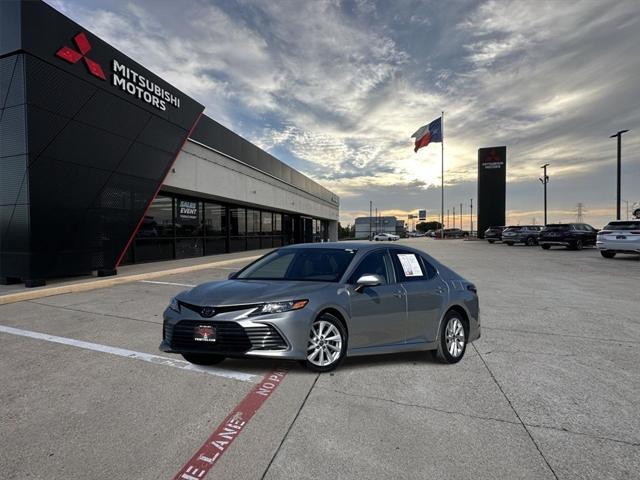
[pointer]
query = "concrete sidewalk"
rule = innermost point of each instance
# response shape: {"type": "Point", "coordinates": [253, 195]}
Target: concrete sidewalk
{"type": "Point", "coordinates": [126, 274]}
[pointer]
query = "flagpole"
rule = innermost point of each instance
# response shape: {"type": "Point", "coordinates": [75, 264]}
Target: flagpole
{"type": "Point", "coordinates": [442, 176]}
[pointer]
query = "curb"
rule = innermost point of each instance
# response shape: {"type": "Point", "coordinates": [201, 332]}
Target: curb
{"type": "Point", "coordinates": [112, 281]}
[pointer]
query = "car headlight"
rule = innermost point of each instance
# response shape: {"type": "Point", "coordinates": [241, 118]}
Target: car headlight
{"type": "Point", "coordinates": [279, 307]}
{"type": "Point", "coordinates": [174, 305]}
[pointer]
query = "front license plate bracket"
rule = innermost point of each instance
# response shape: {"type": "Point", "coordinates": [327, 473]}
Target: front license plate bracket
{"type": "Point", "coordinates": [204, 333]}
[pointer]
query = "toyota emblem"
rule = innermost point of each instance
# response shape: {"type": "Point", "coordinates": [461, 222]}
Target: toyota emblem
{"type": "Point", "coordinates": [207, 312]}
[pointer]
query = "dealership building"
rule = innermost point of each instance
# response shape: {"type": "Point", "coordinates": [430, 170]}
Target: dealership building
{"type": "Point", "coordinates": [103, 163]}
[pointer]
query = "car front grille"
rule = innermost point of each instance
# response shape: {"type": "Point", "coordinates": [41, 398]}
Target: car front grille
{"type": "Point", "coordinates": [231, 337]}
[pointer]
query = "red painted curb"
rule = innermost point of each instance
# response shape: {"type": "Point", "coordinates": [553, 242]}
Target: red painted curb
{"type": "Point", "coordinates": [224, 435]}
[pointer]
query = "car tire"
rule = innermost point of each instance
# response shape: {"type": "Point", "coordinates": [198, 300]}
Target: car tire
{"type": "Point", "coordinates": [607, 254]}
{"type": "Point", "coordinates": [203, 358]}
{"type": "Point", "coordinates": [545, 246]}
{"type": "Point", "coordinates": [577, 245]}
{"type": "Point", "coordinates": [491, 241]}
{"type": "Point", "coordinates": [452, 341]}
{"type": "Point", "coordinates": [531, 242]}
{"type": "Point", "coordinates": [326, 326]}
{"type": "Point", "coordinates": [509, 243]}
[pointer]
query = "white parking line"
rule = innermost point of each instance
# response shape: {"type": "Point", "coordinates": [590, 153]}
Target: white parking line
{"type": "Point", "coordinates": [121, 352]}
{"type": "Point", "coordinates": [167, 283]}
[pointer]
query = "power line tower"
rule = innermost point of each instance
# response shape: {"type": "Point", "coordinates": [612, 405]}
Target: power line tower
{"type": "Point", "coordinates": [580, 212]}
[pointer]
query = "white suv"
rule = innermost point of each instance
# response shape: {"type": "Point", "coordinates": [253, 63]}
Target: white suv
{"type": "Point", "coordinates": [619, 236]}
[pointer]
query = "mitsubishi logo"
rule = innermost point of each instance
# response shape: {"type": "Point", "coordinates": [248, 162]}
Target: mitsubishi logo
{"type": "Point", "coordinates": [73, 56]}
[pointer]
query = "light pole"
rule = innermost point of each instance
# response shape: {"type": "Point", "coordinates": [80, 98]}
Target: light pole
{"type": "Point", "coordinates": [454, 217]}
{"type": "Point", "coordinates": [370, 219]}
{"type": "Point", "coordinates": [545, 180]}
{"type": "Point", "coordinates": [619, 136]}
{"type": "Point", "coordinates": [471, 215]}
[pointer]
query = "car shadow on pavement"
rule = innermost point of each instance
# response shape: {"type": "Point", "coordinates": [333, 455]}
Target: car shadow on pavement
{"type": "Point", "coordinates": [353, 363]}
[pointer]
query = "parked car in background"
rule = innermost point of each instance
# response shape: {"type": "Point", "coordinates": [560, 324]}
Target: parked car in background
{"type": "Point", "coordinates": [381, 237]}
{"type": "Point", "coordinates": [493, 234]}
{"type": "Point", "coordinates": [571, 235]}
{"type": "Point", "coordinates": [527, 234]}
{"type": "Point", "coordinates": [452, 233]}
{"type": "Point", "coordinates": [619, 236]}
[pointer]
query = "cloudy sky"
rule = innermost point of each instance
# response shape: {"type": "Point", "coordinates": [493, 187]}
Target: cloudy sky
{"type": "Point", "coordinates": [336, 88]}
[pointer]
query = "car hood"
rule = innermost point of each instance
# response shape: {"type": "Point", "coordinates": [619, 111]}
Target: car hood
{"type": "Point", "coordinates": [239, 292]}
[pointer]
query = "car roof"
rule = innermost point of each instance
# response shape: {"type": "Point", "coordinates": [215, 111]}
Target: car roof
{"type": "Point", "coordinates": [351, 244]}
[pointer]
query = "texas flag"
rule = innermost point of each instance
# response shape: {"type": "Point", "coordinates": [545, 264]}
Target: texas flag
{"type": "Point", "coordinates": [427, 134]}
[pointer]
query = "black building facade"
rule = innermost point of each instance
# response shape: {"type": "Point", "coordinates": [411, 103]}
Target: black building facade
{"type": "Point", "coordinates": [87, 138]}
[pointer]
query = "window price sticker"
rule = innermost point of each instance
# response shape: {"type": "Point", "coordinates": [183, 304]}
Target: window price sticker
{"type": "Point", "coordinates": [410, 265]}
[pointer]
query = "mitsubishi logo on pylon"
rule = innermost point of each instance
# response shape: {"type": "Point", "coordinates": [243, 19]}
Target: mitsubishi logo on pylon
{"type": "Point", "coordinates": [73, 56]}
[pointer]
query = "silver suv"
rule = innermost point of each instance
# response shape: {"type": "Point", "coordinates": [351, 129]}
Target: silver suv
{"type": "Point", "coordinates": [527, 234]}
{"type": "Point", "coordinates": [621, 236]}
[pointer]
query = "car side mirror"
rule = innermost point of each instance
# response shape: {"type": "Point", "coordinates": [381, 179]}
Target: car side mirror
{"type": "Point", "coordinates": [232, 275]}
{"type": "Point", "coordinates": [368, 280]}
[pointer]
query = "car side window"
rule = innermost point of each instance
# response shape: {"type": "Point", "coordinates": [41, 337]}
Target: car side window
{"type": "Point", "coordinates": [373, 263]}
{"type": "Point", "coordinates": [411, 267]}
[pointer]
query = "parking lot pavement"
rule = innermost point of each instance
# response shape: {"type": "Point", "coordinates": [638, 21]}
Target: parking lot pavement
{"type": "Point", "coordinates": [549, 391]}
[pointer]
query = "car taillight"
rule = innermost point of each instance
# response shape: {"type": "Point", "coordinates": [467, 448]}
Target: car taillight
{"type": "Point", "coordinates": [472, 288]}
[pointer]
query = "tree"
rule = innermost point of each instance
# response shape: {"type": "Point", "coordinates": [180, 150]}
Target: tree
{"type": "Point", "coordinates": [345, 232]}
{"type": "Point", "coordinates": [424, 226]}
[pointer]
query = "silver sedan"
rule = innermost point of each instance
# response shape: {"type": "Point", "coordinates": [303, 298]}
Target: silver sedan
{"type": "Point", "coordinates": [323, 302]}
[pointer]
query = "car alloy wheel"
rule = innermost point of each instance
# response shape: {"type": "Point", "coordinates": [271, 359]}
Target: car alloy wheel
{"type": "Point", "coordinates": [453, 339]}
{"type": "Point", "coordinates": [327, 344]}
{"type": "Point", "coordinates": [578, 245]}
{"type": "Point", "coordinates": [531, 242]}
{"type": "Point", "coordinates": [545, 246]}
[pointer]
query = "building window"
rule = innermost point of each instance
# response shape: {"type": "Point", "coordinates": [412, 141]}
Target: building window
{"type": "Point", "coordinates": [267, 223]}
{"type": "Point", "coordinates": [188, 218]}
{"type": "Point", "coordinates": [158, 220]}
{"type": "Point", "coordinates": [277, 223]}
{"type": "Point", "coordinates": [238, 226]}
{"type": "Point", "coordinates": [253, 222]}
{"type": "Point", "coordinates": [238, 221]}
{"type": "Point", "coordinates": [215, 220]}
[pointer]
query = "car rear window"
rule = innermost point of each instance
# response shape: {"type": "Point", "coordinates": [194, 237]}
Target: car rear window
{"type": "Point", "coordinates": [630, 225]}
{"type": "Point", "coordinates": [513, 229]}
{"type": "Point", "coordinates": [558, 228]}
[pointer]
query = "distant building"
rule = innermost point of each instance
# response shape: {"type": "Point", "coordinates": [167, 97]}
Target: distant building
{"type": "Point", "coordinates": [366, 225]}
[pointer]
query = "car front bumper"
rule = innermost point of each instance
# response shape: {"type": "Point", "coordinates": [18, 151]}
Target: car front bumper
{"type": "Point", "coordinates": [282, 335]}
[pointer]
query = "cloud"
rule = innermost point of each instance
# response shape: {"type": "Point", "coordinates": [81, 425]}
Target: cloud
{"type": "Point", "coordinates": [335, 88]}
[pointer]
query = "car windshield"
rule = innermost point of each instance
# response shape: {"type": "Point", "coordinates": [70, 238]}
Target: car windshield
{"type": "Point", "coordinates": [630, 225]}
{"type": "Point", "coordinates": [310, 264]}
{"type": "Point", "coordinates": [513, 229]}
{"type": "Point", "coordinates": [558, 228]}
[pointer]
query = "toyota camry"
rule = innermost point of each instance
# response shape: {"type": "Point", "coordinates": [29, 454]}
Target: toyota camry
{"type": "Point", "coordinates": [319, 303]}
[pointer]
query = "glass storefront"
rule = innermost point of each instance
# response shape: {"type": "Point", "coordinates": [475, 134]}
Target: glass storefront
{"type": "Point", "coordinates": [183, 227]}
